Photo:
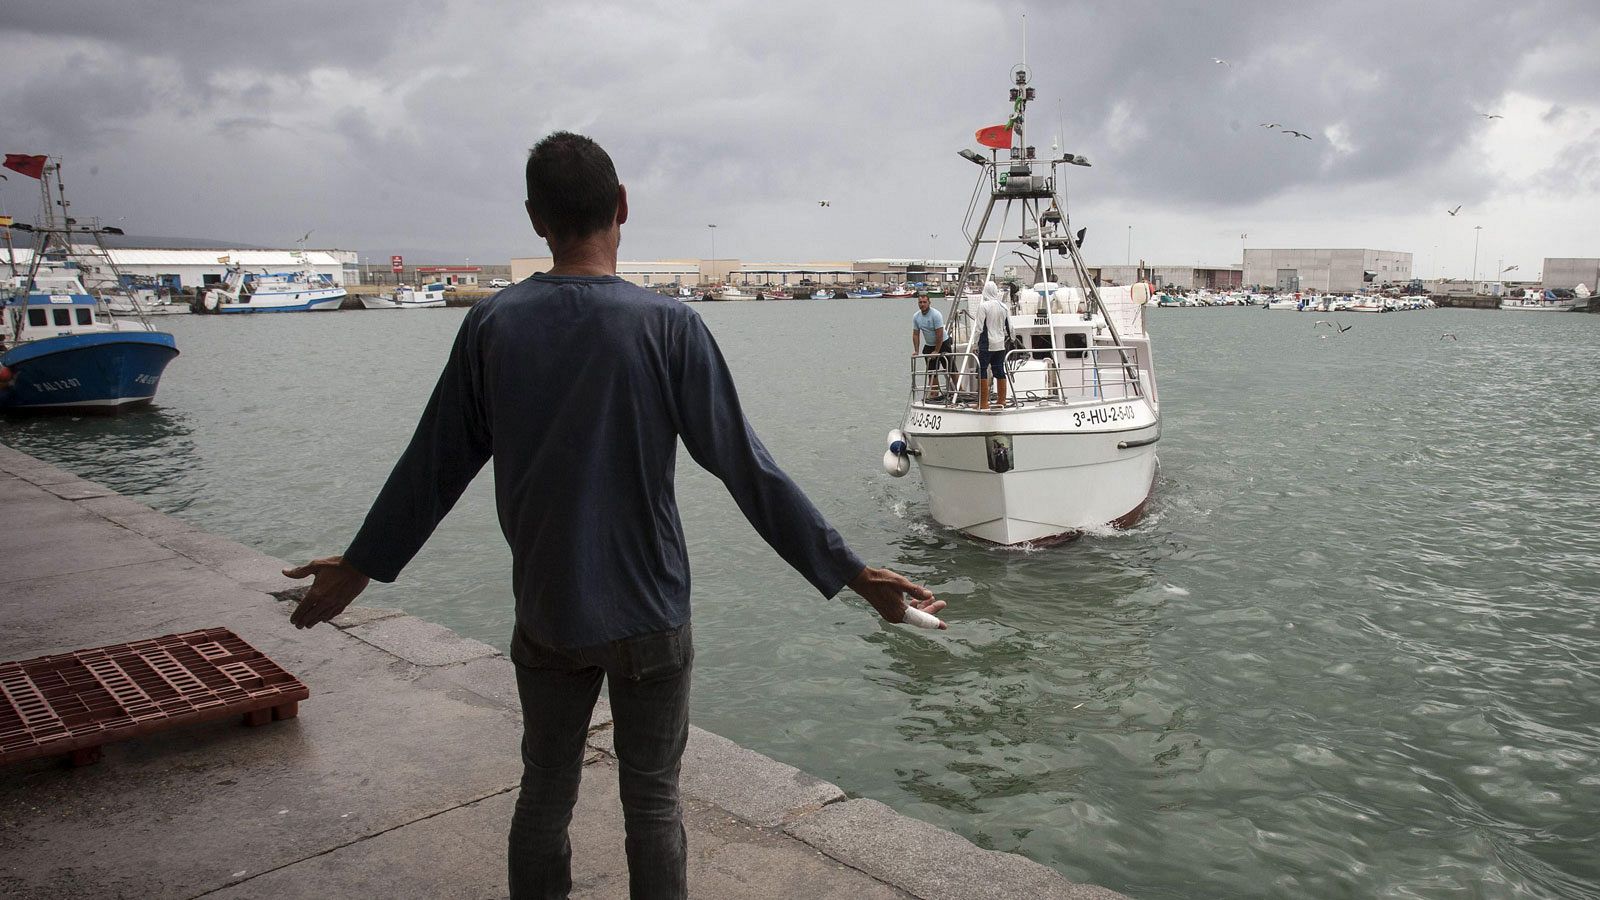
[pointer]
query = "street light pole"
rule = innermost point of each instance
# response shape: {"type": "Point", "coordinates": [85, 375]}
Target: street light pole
{"type": "Point", "coordinates": [1477, 233]}
{"type": "Point", "coordinates": [713, 252]}
{"type": "Point", "coordinates": [1130, 245]}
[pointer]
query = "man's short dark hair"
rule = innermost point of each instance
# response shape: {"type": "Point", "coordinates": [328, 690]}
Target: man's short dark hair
{"type": "Point", "coordinates": [572, 185]}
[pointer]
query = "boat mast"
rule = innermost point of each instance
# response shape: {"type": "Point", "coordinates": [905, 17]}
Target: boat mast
{"type": "Point", "coordinates": [1020, 184]}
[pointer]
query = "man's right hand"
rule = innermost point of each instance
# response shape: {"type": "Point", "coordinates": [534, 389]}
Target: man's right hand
{"type": "Point", "coordinates": [335, 583]}
{"type": "Point", "coordinates": [889, 591]}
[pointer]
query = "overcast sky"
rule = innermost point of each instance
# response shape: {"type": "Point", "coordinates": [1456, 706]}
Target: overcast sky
{"type": "Point", "coordinates": [401, 127]}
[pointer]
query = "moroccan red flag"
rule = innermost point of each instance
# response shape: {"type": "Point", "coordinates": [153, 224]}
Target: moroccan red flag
{"type": "Point", "coordinates": [31, 166]}
{"type": "Point", "coordinates": [996, 136]}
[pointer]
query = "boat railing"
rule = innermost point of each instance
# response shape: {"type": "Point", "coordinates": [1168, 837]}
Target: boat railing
{"type": "Point", "coordinates": [1035, 377]}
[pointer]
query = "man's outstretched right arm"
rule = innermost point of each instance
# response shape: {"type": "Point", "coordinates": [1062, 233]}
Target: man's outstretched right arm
{"type": "Point", "coordinates": [450, 445]}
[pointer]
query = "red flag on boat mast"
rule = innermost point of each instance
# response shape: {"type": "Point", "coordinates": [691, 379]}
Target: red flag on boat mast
{"type": "Point", "coordinates": [996, 136]}
{"type": "Point", "coordinates": [31, 166]}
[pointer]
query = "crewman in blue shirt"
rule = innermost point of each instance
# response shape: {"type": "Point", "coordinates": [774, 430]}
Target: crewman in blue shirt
{"type": "Point", "coordinates": [579, 386]}
{"type": "Point", "coordinates": [927, 333]}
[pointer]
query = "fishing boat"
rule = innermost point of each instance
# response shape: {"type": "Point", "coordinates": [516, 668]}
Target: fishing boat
{"type": "Point", "coordinates": [729, 292]}
{"type": "Point", "coordinates": [1073, 448]}
{"type": "Point", "coordinates": [61, 349]}
{"type": "Point", "coordinates": [899, 291]}
{"type": "Point", "coordinates": [429, 296]}
{"type": "Point", "coordinates": [142, 296]}
{"type": "Point", "coordinates": [298, 290]}
{"type": "Point", "coordinates": [864, 294]}
{"type": "Point", "coordinates": [822, 294]}
{"type": "Point", "coordinates": [1548, 301]}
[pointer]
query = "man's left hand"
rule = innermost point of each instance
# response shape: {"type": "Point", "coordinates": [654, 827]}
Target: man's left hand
{"type": "Point", "coordinates": [888, 592]}
{"type": "Point", "coordinates": [335, 584]}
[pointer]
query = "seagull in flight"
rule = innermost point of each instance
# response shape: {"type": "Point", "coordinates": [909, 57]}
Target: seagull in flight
{"type": "Point", "coordinates": [1221, 62]}
{"type": "Point", "coordinates": [1334, 324]}
{"type": "Point", "coordinates": [1269, 125]}
{"type": "Point", "coordinates": [824, 203]}
{"type": "Point", "coordinates": [1450, 336]}
{"type": "Point", "coordinates": [1454, 211]}
{"type": "Point", "coordinates": [1295, 133]}
{"type": "Point", "coordinates": [1491, 116]}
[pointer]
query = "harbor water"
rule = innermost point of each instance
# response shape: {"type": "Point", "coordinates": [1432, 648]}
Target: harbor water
{"type": "Point", "coordinates": [1351, 652]}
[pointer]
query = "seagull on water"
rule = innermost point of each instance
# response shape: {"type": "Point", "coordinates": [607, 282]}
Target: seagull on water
{"type": "Point", "coordinates": [1296, 133]}
{"type": "Point", "coordinates": [1454, 211]}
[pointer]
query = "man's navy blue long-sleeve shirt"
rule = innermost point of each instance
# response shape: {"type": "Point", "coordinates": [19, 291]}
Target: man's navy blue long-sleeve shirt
{"type": "Point", "coordinates": [579, 388]}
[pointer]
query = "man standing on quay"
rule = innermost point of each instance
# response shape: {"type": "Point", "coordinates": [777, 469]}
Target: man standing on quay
{"type": "Point", "coordinates": [579, 386]}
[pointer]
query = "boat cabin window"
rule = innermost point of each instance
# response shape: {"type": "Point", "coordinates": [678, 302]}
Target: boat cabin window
{"type": "Point", "coordinates": [37, 317]}
{"type": "Point", "coordinates": [62, 316]}
{"type": "Point", "coordinates": [1076, 343]}
{"type": "Point", "coordinates": [85, 315]}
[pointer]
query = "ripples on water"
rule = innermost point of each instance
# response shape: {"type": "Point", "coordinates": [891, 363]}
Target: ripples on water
{"type": "Point", "coordinates": [1351, 652]}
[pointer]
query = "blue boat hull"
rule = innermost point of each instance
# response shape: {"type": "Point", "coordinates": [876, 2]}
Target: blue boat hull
{"type": "Point", "coordinates": [101, 372]}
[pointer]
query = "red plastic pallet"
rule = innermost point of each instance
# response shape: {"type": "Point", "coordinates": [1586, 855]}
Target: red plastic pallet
{"type": "Point", "coordinates": [72, 703]}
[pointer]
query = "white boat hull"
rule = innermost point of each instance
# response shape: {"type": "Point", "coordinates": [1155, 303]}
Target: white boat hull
{"type": "Point", "coordinates": [1070, 469]}
{"type": "Point", "coordinates": [1559, 306]}
{"type": "Point", "coordinates": [290, 301]}
{"type": "Point", "coordinates": [385, 302]}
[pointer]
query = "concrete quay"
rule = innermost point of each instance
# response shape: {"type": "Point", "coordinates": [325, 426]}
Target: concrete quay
{"type": "Point", "coordinates": [398, 777]}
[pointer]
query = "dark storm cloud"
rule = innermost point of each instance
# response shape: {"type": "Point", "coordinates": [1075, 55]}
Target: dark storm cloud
{"type": "Point", "coordinates": [280, 36]}
{"type": "Point", "coordinates": [378, 121]}
{"type": "Point", "coordinates": [1404, 82]}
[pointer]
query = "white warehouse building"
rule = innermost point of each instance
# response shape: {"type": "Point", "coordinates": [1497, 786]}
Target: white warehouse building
{"type": "Point", "coordinates": [1569, 272]}
{"type": "Point", "coordinates": [180, 268]}
{"type": "Point", "coordinates": [1327, 271]}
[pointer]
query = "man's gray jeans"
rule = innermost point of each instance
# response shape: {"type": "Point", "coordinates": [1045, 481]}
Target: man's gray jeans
{"type": "Point", "coordinates": [649, 688]}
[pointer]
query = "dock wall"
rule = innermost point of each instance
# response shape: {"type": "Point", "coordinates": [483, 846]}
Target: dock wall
{"type": "Point", "coordinates": [398, 777]}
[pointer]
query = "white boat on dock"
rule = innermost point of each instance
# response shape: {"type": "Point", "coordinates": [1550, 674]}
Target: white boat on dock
{"type": "Point", "coordinates": [1547, 301]}
{"type": "Point", "coordinates": [1073, 448]}
{"type": "Point", "coordinates": [430, 296]}
{"type": "Point", "coordinates": [729, 292]}
{"type": "Point", "coordinates": [298, 290]}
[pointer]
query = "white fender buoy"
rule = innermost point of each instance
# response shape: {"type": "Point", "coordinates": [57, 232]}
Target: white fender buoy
{"type": "Point", "coordinates": [895, 434]}
{"type": "Point", "coordinates": [895, 464]}
{"type": "Point", "coordinates": [921, 619]}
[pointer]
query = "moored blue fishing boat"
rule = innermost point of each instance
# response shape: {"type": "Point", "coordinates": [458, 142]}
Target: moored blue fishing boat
{"type": "Point", "coordinates": [61, 349]}
{"type": "Point", "coordinates": [65, 352]}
